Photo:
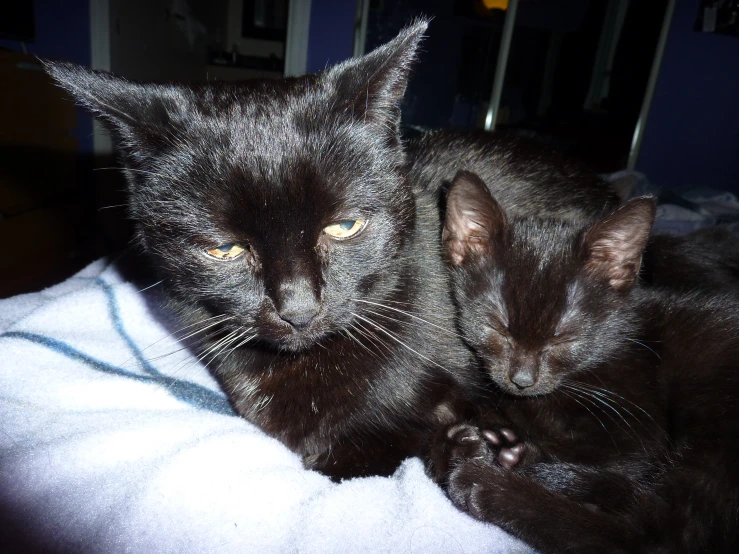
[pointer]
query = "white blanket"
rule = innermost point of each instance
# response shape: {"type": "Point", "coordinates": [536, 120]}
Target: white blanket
{"type": "Point", "coordinates": [109, 445]}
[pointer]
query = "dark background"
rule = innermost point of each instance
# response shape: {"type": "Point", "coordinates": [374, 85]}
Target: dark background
{"type": "Point", "coordinates": [56, 214]}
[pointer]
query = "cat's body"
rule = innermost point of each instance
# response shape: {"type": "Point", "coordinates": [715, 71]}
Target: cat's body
{"type": "Point", "coordinates": [301, 255]}
{"type": "Point", "coordinates": [613, 417]}
{"type": "Point", "coordinates": [526, 178]}
{"type": "Point", "coordinates": [361, 402]}
{"type": "Point", "coordinates": [703, 261]}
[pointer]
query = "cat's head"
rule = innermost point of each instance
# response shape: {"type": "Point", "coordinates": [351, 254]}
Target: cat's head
{"type": "Point", "coordinates": [275, 202]}
{"type": "Point", "coordinates": [540, 300]}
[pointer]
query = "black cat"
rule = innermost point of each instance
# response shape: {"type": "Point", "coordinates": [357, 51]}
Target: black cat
{"type": "Point", "coordinates": [301, 244]}
{"type": "Point", "coordinates": [703, 261]}
{"type": "Point", "coordinates": [526, 177]}
{"type": "Point", "coordinates": [613, 418]}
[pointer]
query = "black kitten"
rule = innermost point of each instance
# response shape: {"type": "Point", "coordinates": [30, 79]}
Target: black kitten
{"type": "Point", "coordinates": [613, 419]}
{"type": "Point", "coordinates": [289, 234]}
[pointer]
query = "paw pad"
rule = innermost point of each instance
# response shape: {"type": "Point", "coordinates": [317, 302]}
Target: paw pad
{"type": "Point", "coordinates": [507, 445]}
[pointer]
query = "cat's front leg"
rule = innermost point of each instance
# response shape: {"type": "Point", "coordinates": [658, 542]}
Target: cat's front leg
{"type": "Point", "coordinates": [453, 444]}
{"type": "Point", "coordinates": [550, 522]}
{"type": "Point", "coordinates": [363, 457]}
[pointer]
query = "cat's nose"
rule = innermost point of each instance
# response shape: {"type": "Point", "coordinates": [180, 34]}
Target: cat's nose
{"type": "Point", "coordinates": [523, 377]}
{"type": "Point", "coordinates": [299, 318]}
{"type": "Point", "coordinates": [296, 302]}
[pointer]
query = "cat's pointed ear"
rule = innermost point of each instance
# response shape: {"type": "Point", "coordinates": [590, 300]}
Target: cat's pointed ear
{"type": "Point", "coordinates": [615, 245]}
{"type": "Point", "coordinates": [125, 107]}
{"type": "Point", "coordinates": [474, 220]}
{"type": "Point", "coordinates": [372, 86]}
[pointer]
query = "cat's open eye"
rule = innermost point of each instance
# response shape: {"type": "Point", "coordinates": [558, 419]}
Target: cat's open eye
{"type": "Point", "coordinates": [226, 252]}
{"type": "Point", "coordinates": [344, 229]}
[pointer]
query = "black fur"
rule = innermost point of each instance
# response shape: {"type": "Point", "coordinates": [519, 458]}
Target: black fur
{"type": "Point", "coordinates": [526, 177]}
{"type": "Point", "coordinates": [703, 261]}
{"type": "Point", "coordinates": [612, 422]}
{"type": "Point", "coordinates": [344, 350]}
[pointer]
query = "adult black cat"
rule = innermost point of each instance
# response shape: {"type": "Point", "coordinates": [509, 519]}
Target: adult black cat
{"type": "Point", "coordinates": [281, 216]}
{"type": "Point", "coordinates": [703, 261]}
{"type": "Point", "coordinates": [614, 412]}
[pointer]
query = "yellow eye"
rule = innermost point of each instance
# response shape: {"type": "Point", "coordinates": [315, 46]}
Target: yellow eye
{"type": "Point", "coordinates": [226, 252]}
{"type": "Point", "coordinates": [344, 229]}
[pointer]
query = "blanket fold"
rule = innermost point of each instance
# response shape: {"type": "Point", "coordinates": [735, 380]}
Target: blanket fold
{"type": "Point", "coordinates": [115, 439]}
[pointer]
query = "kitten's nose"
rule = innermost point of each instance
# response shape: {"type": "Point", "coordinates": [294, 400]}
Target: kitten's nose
{"type": "Point", "coordinates": [524, 377]}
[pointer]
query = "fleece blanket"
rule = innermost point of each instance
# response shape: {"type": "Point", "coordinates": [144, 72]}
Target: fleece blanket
{"type": "Point", "coordinates": [114, 439]}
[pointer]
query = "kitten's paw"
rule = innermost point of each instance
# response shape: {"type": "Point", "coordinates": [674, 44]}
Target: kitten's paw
{"type": "Point", "coordinates": [509, 449]}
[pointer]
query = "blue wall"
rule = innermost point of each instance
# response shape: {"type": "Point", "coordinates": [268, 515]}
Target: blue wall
{"type": "Point", "coordinates": [63, 33]}
{"type": "Point", "coordinates": [692, 135]}
{"type": "Point", "coordinates": [331, 34]}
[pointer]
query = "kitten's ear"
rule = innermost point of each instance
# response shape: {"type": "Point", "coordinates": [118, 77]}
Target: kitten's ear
{"type": "Point", "coordinates": [373, 86]}
{"type": "Point", "coordinates": [126, 108]}
{"type": "Point", "coordinates": [474, 220]}
{"type": "Point", "coordinates": [615, 245]}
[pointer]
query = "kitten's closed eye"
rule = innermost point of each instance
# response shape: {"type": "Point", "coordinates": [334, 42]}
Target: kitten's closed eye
{"type": "Point", "coordinates": [561, 340]}
{"type": "Point", "coordinates": [344, 229]}
{"type": "Point", "coordinates": [226, 252]}
{"type": "Point", "coordinates": [499, 329]}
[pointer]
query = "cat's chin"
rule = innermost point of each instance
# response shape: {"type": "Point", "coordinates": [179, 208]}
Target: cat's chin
{"type": "Point", "coordinates": [297, 342]}
{"type": "Point", "coordinates": [535, 390]}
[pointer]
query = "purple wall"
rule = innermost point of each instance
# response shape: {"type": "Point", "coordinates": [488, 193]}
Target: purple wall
{"type": "Point", "coordinates": [63, 33]}
{"type": "Point", "coordinates": [692, 135]}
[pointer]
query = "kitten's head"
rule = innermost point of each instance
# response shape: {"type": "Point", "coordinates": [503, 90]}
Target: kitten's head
{"type": "Point", "coordinates": [274, 202]}
{"type": "Point", "coordinates": [541, 299]}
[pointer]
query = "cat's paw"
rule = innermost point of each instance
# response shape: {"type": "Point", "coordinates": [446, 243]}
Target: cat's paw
{"type": "Point", "coordinates": [465, 442]}
{"type": "Point", "coordinates": [476, 486]}
{"type": "Point", "coordinates": [454, 444]}
{"type": "Point", "coordinates": [509, 449]}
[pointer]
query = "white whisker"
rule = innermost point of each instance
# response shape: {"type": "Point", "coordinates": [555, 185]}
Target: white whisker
{"type": "Point", "coordinates": [396, 339]}
{"type": "Point", "coordinates": [152, 286]}
{"type": "Point", "coordinates": [631, 433]}
{"type": "Point", "coordinates": [645, 346]}
{"type": "Point", "coordinates": [572, 397]}
{"type": "Point", "coordinates": [409, 315]}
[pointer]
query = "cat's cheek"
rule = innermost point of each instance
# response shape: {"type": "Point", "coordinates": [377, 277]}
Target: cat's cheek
{"type": "Point", "coordinates": [497, 371]}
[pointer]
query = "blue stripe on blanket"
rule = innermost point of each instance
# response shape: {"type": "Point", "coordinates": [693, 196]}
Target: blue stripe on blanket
{"type": "Point", "coordinates": [115, 316]}
{"type": "Point", "coordinates": [185, 391]}
{"type": "Point", "coordinates": [192, 394]}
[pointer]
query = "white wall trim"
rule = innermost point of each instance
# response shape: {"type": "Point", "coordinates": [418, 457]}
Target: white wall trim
{"type": "Point", "coordinates": [298, 30]}
{"type": "Point", "coordinates": [641, 123]}
{"type": "Point", "coordinates": [360, 27]}
{"type": "Point", "coordinates": [100, 59]}
{"type": "Point", "coordinates": [500, 67]}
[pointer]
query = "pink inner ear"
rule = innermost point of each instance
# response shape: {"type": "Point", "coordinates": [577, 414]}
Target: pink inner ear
{"type": "Point", "coordinates": [463, 234]}
{"type": "Point", "coordinates": [613, 264]}
{"type": "Point", "coordinates": [617, 243]}
{"type": "Point", "coordinates": [473, 219]}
